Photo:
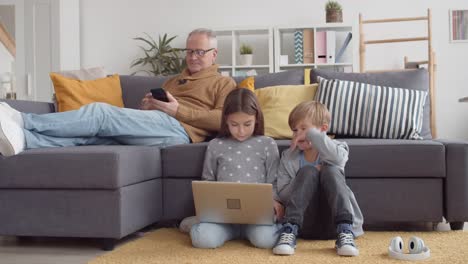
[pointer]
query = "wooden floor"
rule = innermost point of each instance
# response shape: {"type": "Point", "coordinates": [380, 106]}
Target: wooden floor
{"type": "Point", "coordinates": [79, 251]}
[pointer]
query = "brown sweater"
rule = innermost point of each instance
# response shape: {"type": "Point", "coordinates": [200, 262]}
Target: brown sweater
{"type": "Point", "coordinates": [201, 99]}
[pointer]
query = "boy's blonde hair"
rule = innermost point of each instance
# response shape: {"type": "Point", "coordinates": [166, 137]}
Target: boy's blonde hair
{"type": "Point", "coordinates": [312, 111]}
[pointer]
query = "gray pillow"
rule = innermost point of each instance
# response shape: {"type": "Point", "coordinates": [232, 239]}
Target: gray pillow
{"type": "Point", "coordinates": [134, 88]}
{"type": "Point", "coordinates": [413, 79]}
{"type": "Point", "coordinates": [85, 74]}
{"type": "Point", "coordinates": [292, 77]}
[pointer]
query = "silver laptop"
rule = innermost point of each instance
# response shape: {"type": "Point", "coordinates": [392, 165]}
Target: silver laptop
{"type": "Point", "coordinates": [233, 203]}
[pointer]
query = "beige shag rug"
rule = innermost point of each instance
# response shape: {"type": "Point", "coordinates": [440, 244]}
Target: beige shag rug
{"type": "Point", "coordinates": [171, 246]}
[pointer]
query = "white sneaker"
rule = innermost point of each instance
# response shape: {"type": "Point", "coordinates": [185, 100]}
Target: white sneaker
{"type": "Point", "coordinates": [13, 113]}
{"type": "Point", "coordinates": [12, 139]}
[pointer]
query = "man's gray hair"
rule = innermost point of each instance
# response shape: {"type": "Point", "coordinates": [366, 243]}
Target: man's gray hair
{"type": "Point", "coordinates": [209, 33]}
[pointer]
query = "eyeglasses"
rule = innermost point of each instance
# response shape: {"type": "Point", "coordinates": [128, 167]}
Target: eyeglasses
{"type": "Point", "coordinates": [197, 52]}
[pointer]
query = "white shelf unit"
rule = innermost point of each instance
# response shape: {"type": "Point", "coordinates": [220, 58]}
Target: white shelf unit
{"type": "Point", "coordinates": [229, 41]}
{"type": "Point", "coordinates": [284, 45]}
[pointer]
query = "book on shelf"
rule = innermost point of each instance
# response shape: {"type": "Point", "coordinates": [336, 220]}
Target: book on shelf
{"type": "Point", "coordinates": [321, 48]}
{"type": "Point", "coordinates": [343, 39]}
{"type": "Point", "coordinates": [298, 46]}
{"type": "Point", "coordinates": [308, 45]}
{"type": "Point", "coordinates": [331, 46]}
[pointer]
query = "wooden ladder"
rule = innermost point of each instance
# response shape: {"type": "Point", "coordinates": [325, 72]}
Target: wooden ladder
{"type": "Point", "coordinates": [431, 54]}
{"type": "Point", "coordinates": [7, 40]}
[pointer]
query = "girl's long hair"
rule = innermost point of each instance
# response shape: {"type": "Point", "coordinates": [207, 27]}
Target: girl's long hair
{"type": "Point", "coordinates": [245, 101]}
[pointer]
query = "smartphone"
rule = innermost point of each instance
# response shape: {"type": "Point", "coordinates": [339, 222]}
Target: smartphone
{"type": "Point", "coordinates": [159, 94]}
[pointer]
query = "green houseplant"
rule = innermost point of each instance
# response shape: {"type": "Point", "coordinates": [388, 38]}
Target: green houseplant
{"type": "Point", "coordinates": [246, 55]}
{"type": "Point", "coordinates": [161, 56]}
{"type": "Point", "coordinates": [245, 49]}
{"type": "Point", "coordinates": [334, 12]}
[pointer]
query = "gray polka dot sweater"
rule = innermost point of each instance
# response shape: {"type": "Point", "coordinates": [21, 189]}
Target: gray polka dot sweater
{"type": "Point", "coordinates": [254, 160]}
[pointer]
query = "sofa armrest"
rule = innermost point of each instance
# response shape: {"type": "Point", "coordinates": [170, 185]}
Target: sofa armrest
{"type": "Point", "coordinates": [31, 106]}
{"type": "Point", "coordinates": [456, 182]}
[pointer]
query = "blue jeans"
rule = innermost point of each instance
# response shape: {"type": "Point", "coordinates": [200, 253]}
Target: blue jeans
{"type": "Point", "coordinates": [102, 124]}
{"type": "Point", "coordinates": [212, 235]}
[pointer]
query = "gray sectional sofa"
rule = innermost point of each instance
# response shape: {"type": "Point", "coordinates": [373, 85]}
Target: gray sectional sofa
{"type": "Point", "coordinates": [108, 192]}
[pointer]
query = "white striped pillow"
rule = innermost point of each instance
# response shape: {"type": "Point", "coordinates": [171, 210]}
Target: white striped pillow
{"type": "Point", "coordinates": [372, 111]}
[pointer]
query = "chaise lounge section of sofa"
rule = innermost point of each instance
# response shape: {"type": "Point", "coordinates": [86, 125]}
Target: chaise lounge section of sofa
{"type": "Point", "coordinates": [108, 192]}
{"type": "Point", "coordinates": [104, 192]}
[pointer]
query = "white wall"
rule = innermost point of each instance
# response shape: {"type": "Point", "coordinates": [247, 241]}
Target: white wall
{"type": "Point", "coordinates": [5, 61]}
{"type": "Point", "coordinates": [69, 34]}
{"type": "Point", "coordinates": [108, 26]}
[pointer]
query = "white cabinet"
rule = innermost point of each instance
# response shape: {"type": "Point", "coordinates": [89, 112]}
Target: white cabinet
{"type": "Point", "coordinates": [229, 42]}
{"type": "Point", "coordinates": [317, 47]}
{"type": "Point", "coordinates": [47, 37]}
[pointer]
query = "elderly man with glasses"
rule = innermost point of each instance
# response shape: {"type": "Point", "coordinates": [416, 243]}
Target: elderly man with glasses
{"type": "Point", "coordinates": [192, 114]}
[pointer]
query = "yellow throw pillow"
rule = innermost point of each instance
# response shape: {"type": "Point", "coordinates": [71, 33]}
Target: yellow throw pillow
{"type": "Point", "coordinates": [277, 102]}
{"type": "Point", "coordinates": [71, 94]}
{"type": "Point", "coordinates": [248, 83]}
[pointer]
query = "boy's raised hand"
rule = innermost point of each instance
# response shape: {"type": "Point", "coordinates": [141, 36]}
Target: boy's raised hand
{"type": "Point", "coordinates": [294, 143]}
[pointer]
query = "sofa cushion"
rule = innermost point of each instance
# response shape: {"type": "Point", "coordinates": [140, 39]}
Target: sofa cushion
{"type": "Point", "coordinates": [83, 167]}
{"type": "Point", "coordinates": [413, 79]}
{"type": "Point", "coordinates": [186, 161]}
{"type": "Point", "coordinates": [134, 88]}
{"type": "Point", "coordinates": [390, 158]}
{"type": "Point", "coordinates": [368, 158]}
{"type": "Point", "coordinates": [372, 111]}
{"type": "Point", "coordinates": [183, 161]}
{"type": "Point", "coordinates": [30, 106]}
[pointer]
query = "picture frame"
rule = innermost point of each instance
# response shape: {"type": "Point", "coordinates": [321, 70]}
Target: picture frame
{"type": "Point", "coordinates": [458, 25]}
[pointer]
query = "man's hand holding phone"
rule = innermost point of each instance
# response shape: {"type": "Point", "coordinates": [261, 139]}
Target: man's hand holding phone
{"type": "Point", "coordinates": [160, 100]}
{"type": "Point", "coordinates": [159, 94]}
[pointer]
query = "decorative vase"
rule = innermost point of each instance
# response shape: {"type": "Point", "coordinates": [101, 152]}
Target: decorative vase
{"type": "Point", "coordinates": [334, 16]}
{"type": "Point", "coordinates": [246, 59]}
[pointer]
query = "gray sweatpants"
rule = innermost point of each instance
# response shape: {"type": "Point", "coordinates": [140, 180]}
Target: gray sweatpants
{"type": "Point", "coordinates": [304, 192]}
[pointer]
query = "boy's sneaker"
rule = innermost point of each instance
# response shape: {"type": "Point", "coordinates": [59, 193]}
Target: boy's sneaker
{"type": "Point", "coordinates": [345, 245]}
{"type": "Point", "coordinates": [287, 241]}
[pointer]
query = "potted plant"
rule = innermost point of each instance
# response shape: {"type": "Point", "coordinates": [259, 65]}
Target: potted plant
{"type": "Point", "coordinates": [161, 56]}
{"type": "Point", "coordinates": [246, 55]}
{"type": "Point", "coordinates": [334, 12]}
